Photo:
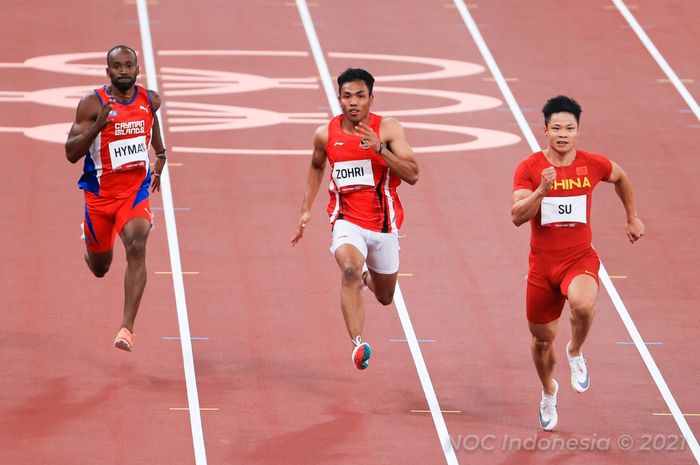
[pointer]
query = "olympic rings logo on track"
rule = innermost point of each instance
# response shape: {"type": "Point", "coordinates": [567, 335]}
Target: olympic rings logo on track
{"type": "Point", "coordinates": [186, 117]}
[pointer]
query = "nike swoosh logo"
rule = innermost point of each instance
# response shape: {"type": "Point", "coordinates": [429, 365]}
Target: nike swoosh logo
{"type": "Point", "coordinates": [338, 143]}
{"type": "Point", "coordinates": [544, 424]}
{"type": "Point", "coordinates": [585, 384]}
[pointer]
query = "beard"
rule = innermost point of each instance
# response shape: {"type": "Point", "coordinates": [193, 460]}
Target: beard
{"type": "Point", "coordinates": [123, 85]}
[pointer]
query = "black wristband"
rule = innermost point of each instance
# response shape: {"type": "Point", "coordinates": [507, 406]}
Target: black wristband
{"type": "Point", "coordinates": [381, 147]}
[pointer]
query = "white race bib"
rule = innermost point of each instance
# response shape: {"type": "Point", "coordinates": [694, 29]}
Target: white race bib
{"type": "Point", "coordinates": [353, 175]}
{"type": "Point", "coordinates": [128, 153]}
{"type": "Point", "coordinates": [564, 210]}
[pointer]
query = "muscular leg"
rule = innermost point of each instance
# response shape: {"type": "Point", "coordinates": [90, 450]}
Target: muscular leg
{"type": "Point", "coordinates": [582, 294]}
{"type": "Point", "coordinates": [134, 236]}
{"type": "Point", "coordinates": [543, 352]}
{"type": "Point", "coordinates": [98, 263]}
{"type": "Point", "coordinates": [350, 261]}
{"type": "Point", "coordinates": [382, 285]}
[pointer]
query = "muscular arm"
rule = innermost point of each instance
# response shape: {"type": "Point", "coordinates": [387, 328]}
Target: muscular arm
{"type": "Point", "coordinates": [90, 119]}
{"type": "Point", "coordinates": [634, 227]}
{"type": "Point", "coordinates": [156, 137]}
{"type": "Point", "coordinates": [396, 152]}
{"type": "Point", "coordinates": [313, 179]}
{"type": "Point", "coordinates": [526, 203]}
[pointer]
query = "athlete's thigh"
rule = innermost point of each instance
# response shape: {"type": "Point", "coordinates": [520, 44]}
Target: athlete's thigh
{"type": "Point", "coordinates": [99, 226]}
{"type": "Point", "coordinates": [580, 281]}
{"type": "Point", "coordinates": [383, 283]}
{"type": "Point", "coordinates": [582, 291]}
{"type": "Point", "coordinates": [543, 302]}
{"type": "Point", "coordinates": [545, 331]}
{"type": "Point", "coordinates": [383, 253]}
{"type": "Point", "coordinates": [348, 242]}
{"type": "Point", "coordinates": [134, 218]}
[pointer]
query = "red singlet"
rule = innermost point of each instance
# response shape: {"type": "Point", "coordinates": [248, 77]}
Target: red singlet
{"type": "Point", "coordinates": [362, 188]}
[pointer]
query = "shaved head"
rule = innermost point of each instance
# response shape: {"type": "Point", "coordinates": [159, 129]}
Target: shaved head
{"type": "Point", "coordinates": [119, 49]}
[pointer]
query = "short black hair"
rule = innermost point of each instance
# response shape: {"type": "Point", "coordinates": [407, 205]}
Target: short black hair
{"type": "Point", "coordinates": [123, 48]}
{"type": "Point", "coordinates": [356, 74]}
{"type": "Point", "coordinates": [561, 104]}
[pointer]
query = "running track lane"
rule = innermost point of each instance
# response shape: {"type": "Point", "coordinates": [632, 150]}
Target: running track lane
{"type": "Point", "coordinates": [277, 363]}
{"type": "Point", "coordinates": [436, 216]}
{"type": "Point", "coordinates": [649, 123]}
{"type": "Point", "coordinates": [66, 395]}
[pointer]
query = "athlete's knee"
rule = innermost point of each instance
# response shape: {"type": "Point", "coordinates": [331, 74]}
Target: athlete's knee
{"type": "Point", "coordinates": [583, 310]}
{"type": "Point", "coordinates": [385, 298]}
{"type": "Point", "coordinates": [136, 248]}
{"type": "Point", "coordinates": [541, 345]}
{"type": "Point", "coordinates": [351, 274]}
{"type": "Point", "coordinates": [99, 270]}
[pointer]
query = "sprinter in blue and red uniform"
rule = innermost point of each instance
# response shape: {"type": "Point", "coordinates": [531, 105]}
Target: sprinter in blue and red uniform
{"type": "Point", "coordinates": [113, 128]}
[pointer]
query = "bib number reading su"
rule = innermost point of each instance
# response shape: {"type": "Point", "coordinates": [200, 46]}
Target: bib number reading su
{"type": "Point", "coordinates": [353, 175]}
{"type": "Point", "coordinates": [563, 210]}
{"type": "Point", "coordinates": [128, 153]}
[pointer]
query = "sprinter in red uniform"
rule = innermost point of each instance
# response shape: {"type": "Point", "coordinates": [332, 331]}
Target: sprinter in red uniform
{"type": "Point", "coordinates": [113, 128]}
{"type": "Point", "coordinates": [369, 157]}
{"type": "Point", "coordinates": [553, 191]}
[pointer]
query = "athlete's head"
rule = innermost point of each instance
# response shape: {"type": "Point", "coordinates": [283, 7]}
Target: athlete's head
{"type": "Point", "coordinates": [561, 123]}
{"type": "Point", "coordinates": [561, 104]}
{"type": "Point", "coordinates": [122, 67]}
{"type": "Point", "coordinates": [355, 93]}
{"type": "Point", "coordinates": [356, 74]}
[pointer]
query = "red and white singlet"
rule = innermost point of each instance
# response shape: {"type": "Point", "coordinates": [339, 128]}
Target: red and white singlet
{"type": "Point", "coordinates": [362, 188]}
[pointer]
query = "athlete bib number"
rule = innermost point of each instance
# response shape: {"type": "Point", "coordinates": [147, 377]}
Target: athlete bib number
{"type": "Point", "coordinates": [563, 210]}
{"type": "Point", "coordinates": [128, 153]}
{"type": "Point", "coordinates": [353, 175]}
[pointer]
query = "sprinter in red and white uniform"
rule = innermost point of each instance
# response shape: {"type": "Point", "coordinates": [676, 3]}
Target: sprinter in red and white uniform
{"type": "Point", "coordinates": [113, 128]}
{"type": "Point", "coordinates": [553, 190]}
{"type": "Point", "coordinates": [369, 157]}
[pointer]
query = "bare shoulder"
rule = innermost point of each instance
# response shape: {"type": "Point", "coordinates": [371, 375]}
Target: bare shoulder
{"type": "Point", "coordinates": [321, 136]}
{"type": "Point", "coordinates": [155, 98]}
{"type": "Point", "coordinates": [391, 129]}
{"type": "Point", "coordinates": [88, 107]}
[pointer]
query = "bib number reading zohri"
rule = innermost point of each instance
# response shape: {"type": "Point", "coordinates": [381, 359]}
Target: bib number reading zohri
{"type": "Point", "coordinates": [128, 153]}
{"type": "Point", "coordinates": [353, 175]}
{"type": "Point", "coordinates": [563, 210]}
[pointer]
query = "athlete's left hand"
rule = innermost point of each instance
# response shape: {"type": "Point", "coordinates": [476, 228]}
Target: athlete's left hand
{"type": "Point", "coordinates": [155, 182]}
{"type": "Point", "coordinates": [634, 229]}
{"type": "Point", "coordinates": [370, 139]}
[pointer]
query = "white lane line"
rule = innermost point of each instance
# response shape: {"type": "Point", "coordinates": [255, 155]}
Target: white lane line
{"type": "Point", "coordinates": [422, 370]}
{"type": "Point", "coordinates": [660, 60]}
{"type": "Point", "coordinates": [174, 249]}
{"type": "Point", "coordinates": [603, 274]}
{"type": "Point", "coordinates": [651, 365]}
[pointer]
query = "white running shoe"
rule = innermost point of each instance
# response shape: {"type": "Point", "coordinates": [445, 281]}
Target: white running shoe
{"type": "Point", "coordinates": [580, 380]}
{"type": "Point", "coordinates": [548, 409]}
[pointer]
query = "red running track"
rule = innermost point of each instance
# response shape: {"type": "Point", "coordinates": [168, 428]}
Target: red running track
{"type": "Point", "coordinates": [276, 361]}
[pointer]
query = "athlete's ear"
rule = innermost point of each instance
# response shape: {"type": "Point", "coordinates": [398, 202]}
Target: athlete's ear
{"type": "Point", "coordinates": [371, 99]}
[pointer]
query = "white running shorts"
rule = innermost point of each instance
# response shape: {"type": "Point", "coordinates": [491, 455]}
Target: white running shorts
{"type": "Point", "coordinates": [381, 250]}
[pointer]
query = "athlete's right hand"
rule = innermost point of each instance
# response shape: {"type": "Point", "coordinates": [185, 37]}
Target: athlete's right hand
{"type": "Point", "coordinates": [103, 119]}
{"type": "Point", "coordinates": [303, 221]}
{"type": "Point", "coordinates": [549, 175]}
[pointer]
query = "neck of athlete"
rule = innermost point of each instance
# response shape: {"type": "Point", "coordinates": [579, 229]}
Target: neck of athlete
{"type": "Point", "coordinates": [349, 127]}
{"type": "Point", "coordinates": [560, 158]}
{"type": "Point", "coordinates": [122, 96]}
